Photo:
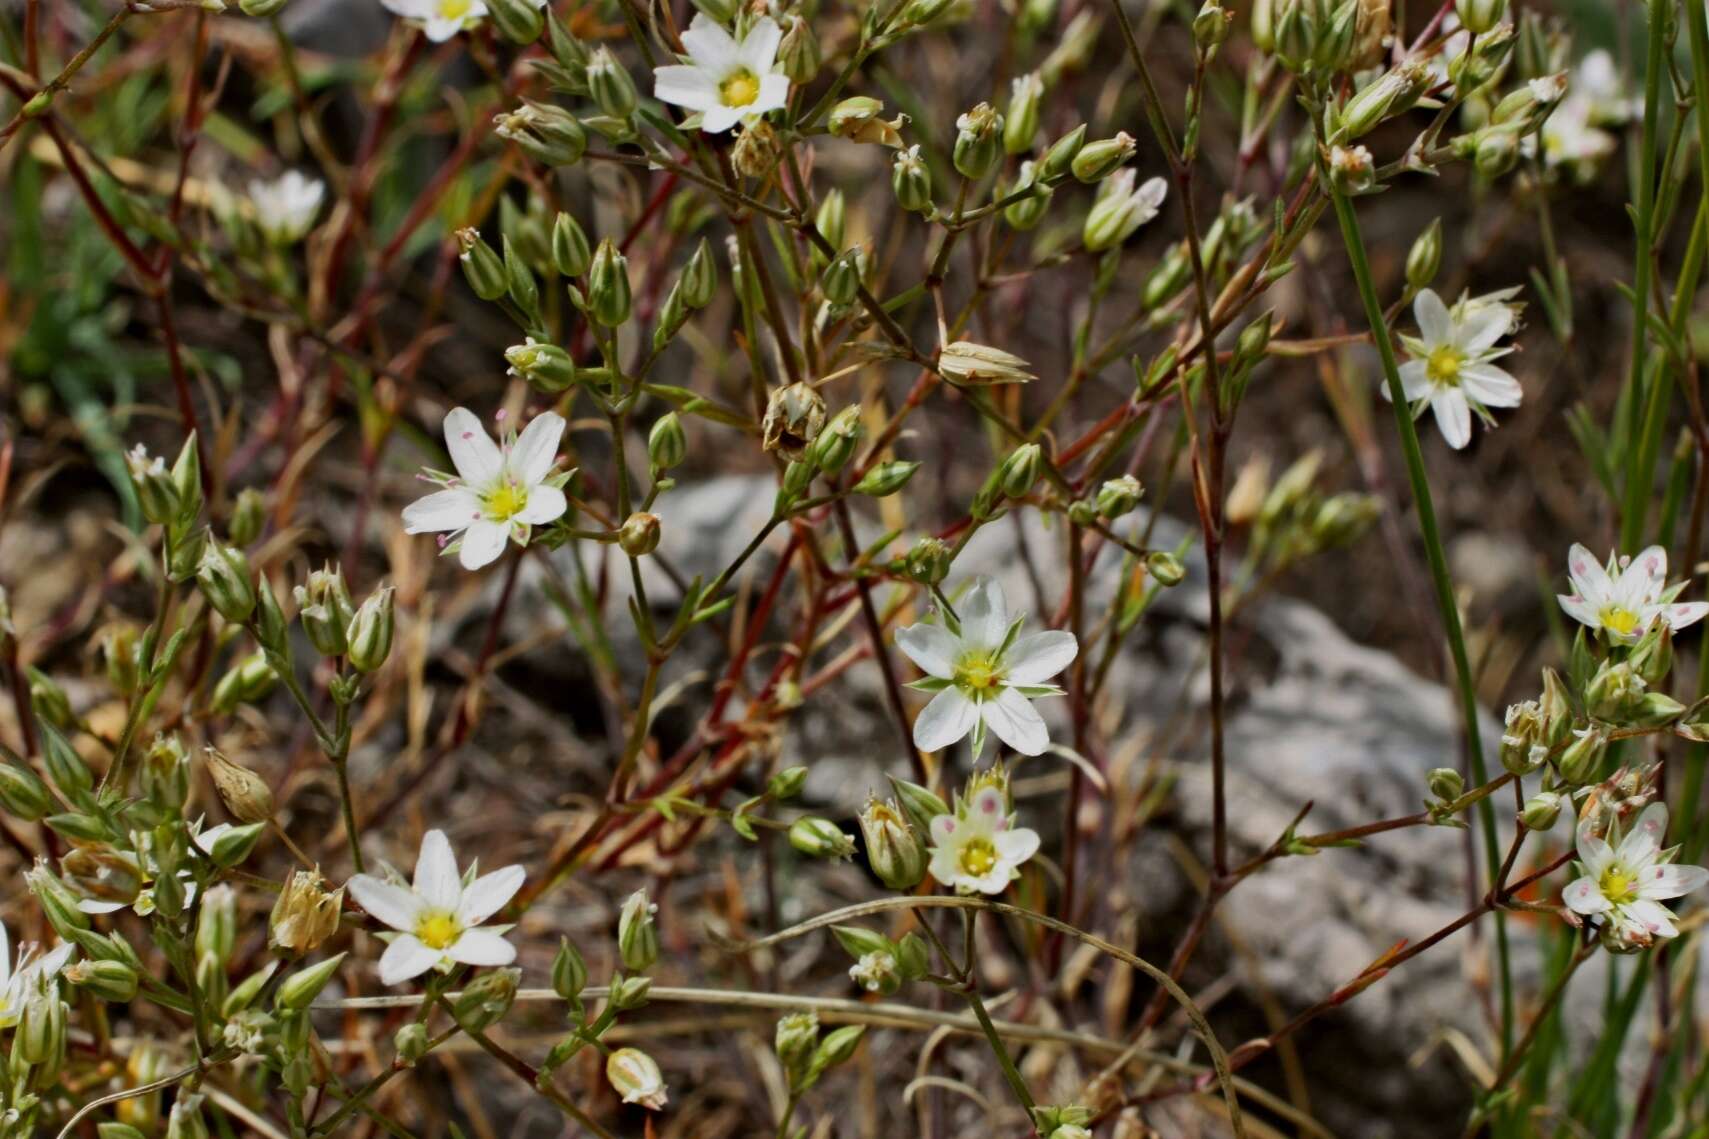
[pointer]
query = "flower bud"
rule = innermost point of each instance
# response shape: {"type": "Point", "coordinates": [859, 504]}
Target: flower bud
{"type": "Point", "coordinates": [1652, 657]}
{"type": "Point", "coordinates": [1026, 93]}
{"type": "Point", "coordinates": [831, 218]}
{"type": "Point", "coordinates": [798, 51]}
{"type": "Point", "coordinates": [978, 141]}
{"type": "Point", "coordinates": [1118, 496]}
{"type": "Point", "coordinates": [251, 680]}
{"type": "Point", "coordinates": [666, 443]}
{"type": "Point", "coordinates": [545, 132]}
{"type": "Point", "coordinates": [411, 1042]}
{"type": "Point", "coordinates": [232, 845]}
{"type": "Point", "coordinates": [571, 254]}
{"type": "Point", "coordinates": [700, 277]}
{"type": "Point", "coordinates": [40, 1037]}
{"type": "Point", "coordinates": [155, 490]}
{"type": "Point", "coordinates": [1479, 16]}
{"type": "Point", "coordinates": [629, 992]}
{"type": "Point", "coordinates": [486, 999]}
{"type": "Point", "coordinates": [111, 981]}
{"type": "Point", "coordinates": [1497, 152]}
{"type": "Point", "coordinates": [216, 923]}
{"type": "Point", "coordinates": [1098, 160]}
{"type": "Point", "coordinates": [921, 803]}
{"type": "Point", "coordinates": [876, 973]}
{"type": "Point", "coordinates": [1025, 212]}
{"type": "Point", "coordinates": [859, 118]}
{"type": "Point", "coordinates": [325, 610]}
{"type": "Point", "coordinates": [1655, 709]}
{"type": "Point", "coordinates": [1445, 783]}
{"type": "Point", "coordinates": [1020, 470]}
{"type": "Point", "coordinates": [1352, 170]}
{"type": "Point", "coordinates": [64, 766]}
{"type": "Point", "coordinates": [1581, 763]}
{"type": "Point", "coordinates": [912, 181]}
{"type": "Point", "coordinates": [1211, 25]}
{"type": "Point", "coordinates": [838, 1046]}
{"type": "Point", "coordinates": [244, 793]}
{"type": "Point", "coordinates": [299, 990]}
{"type": "Point", "coordinates": [637, 937]}
{"type": "Point", "coordinates": [482, 267]}
{"type": "Point", "coordinates": [635, 1077]}
{"type": "Point", "coordinates": [886, 479]}
{"type": "Point", "coordinates": [608, 296]}
{"type": "Point", "coordinates": [1556, 708]}
{"type": "Point", "coordinates": [225, 579]}
{"type": "Point", "coordinates": [248, 517]}
{"type": "Point", "coordinates": [546, 366]}
{"type": "Point", "coordinates": [261, 10]}
{"type": "Point", "coordinates": [1389, 95]}
{"type": "Point", "coordinates": [796, 1038]}
{"type": "Point", "coordinates": [1541, 810]}
{"type": "Point", "coordinates": [49, 700]}
{"type": "Point", "coordinates": [519, 21]}
{"type": "Point", "coordinates": [820, 838]}
{"type": "Point", "coordinates": [927, 561]}
{"type": "Point", "coordinates": [1165, 568]}
{"type": "Point", "coordinates": [893, 848]}
{"type": "Point", "coordinates": [1425, 256]}
{"type": "Point", "coordinates": [569, 971]}
{"type": "Point", "coordinates": [919, 13]}
{"type": "Point", "coordinates": [371, 631]}
{"type": "Point", "coordinates": [639, 534]}
{"type": "Point", "coordinates": [1614, 691]}
{"type": "Point", "coordinates": [835, 445]}
{"type": "Point", "coordinates": [23, 795]}
{"type": "Point", "coordinates": [120, 656]}
{"type": "Point", "coordinates": [185, 1120]}
{"type": "Point", "coordinates": [842, 278]}
{"type": "Point", "coordinates": [610, 85]}
{"type": "Point", "coordinates": [1522, 749]}
{"type": "Point", "coordinates": [786, 784]}
{"type": "Point", "coordinates": [306, 914]}
{"type": "Point", "coordinates": [1059, 159]}
{"type": "Point", "coordinates": [1120, 210]}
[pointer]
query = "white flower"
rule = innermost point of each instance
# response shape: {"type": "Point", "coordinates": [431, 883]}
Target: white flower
{"type": "Point", "coordinates": [984, 674]}
{"type": "Point", "coordinates": [18, 984]}
{"type": "Point", "coordinates": [977, 848]}
{"type": "Point", "coordinates": [1624, 880]}
{"type": "Point", "coordinates": [1121, 209]}
{"type": "Point", "coordinates": [1451, 370]}
{"type": "Point", "coordinates": [1571, 139]}
{"type": "Point", "coordinates": [726, 79]}
{"type": "Point", "coordinates": [436, 919]}
{"type": "Point", "coordinates": [1627, 596]}
{"type": "Point", "coordinates": [874, 972]}
{"type": "Point", "coordinates": [285, 208]}
{"type": "Point", "coordinates": [498, 491]}
{"type": "Point", "coordinates": [440, 19]}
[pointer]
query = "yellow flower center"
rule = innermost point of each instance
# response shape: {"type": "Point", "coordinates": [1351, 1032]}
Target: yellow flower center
{"type": "Point", "coordinates": [454, 9]}
{"type": "Point", "coordinates": [739, 89]}
{"type": "Point", "coordinates": [1443, 366]}
{"type": "Point", "coordinates": [978, 857]}
{"type": "Point", "coordinates": [978, 672]}
{"type": "Point", "coordinates": [1618, 884]}
{"type": "Point", "coordinates": [506, 501]}
{"type": "Point", "coordinates": [1619, 619]}
{"type": "Point", "coordinates": [437, 930]}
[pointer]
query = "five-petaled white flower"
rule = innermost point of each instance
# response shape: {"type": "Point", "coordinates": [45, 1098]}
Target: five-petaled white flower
{"type": "Point", "coordinates": [977, 848]}
{"type": "Point", "coordinates": [436, 918]}
{"type": "Point", "coordinates": [498, 492]}
{"type": "Point", "coordinates": [18, 983]}
{"type": "Point", "coordinates": [1624, 880]}
{"type": "Point", "coordinates": [1451, 371]}
{"type": "Point", "coordinates": [1627, 596]}
{"type": "Point", "coordinates": [985, 674]}
{"type": "Point", "coordinates": [725, 79]}
{"type": "Point", "coordinates": [441, 19]}
{"type": "Point", "coordinates": [285, 208]}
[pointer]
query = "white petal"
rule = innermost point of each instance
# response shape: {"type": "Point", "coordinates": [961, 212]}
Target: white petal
{"type": "Point", "coordinates": [987, 808]}
{"type": "Point", "coordinates": [944, 867]}
{"type": "Point", "coordinates": [1016, 722]}
{"type": "Point", "coordinates": [1644, 841]}
{"type": "Point", "coordinates": [1588, 576]}
{"type": "Point", "coordinates": [1644, 576]}
{"type": "Point", "coordinates": [718, 119]}
{"type": "Point", "coordinates": [442, 510]}
{"type": "Point", "coordinates": [406, 957]}
{"type": "Point", "coordinates": [1593, 853]}
{"type": "Point", "coordinates": [1583, 897]}
{"type": "Point", "coordinates": [1653, 916]}
{"type": "Point", "coordinates": [481, 947]}
{"type": "Point", "coordinates": [1453, 416]}
{"type": "Point", "coordinates": [758, 50]}
{"type": "Point", "coordinates": [537, 448]}
{"type": "Point", "coordinates": [1580, 610]}
{"type": "Point", "coordinates": [1685, 613]}
{"type": "Point", "coordinates": [473, 452]}
{"type": "Point", "coordinates": [683, 86]}
{"type": "Point", "coordinates": [438, 30]}
{"type": "Point", "coordinates": [1037, 657]}
{"type": "Point", "coordinates": [1491, 386]}
{"type": "Point", "coordinates": [1017, 845]}
{"type": "Point", "coordinates": [393, 905]}
{"type": "Point", "coordinates": [984, 615]}
{"type": "Point", "coordinates": [488, 894]}
{"type": "Point", "coordinates": [1414, 381]}
{"type": "Point", "coordinates": [710, 46]}
{"type": "Point", "coordinates": [932, 647]}
{"type": "Point", "coordinates": [5, 956]}
{"type": "Point", "coordinates": [1435, 326]}
{"type": "Point", "coordinates": [1671, 881]}
{"type": "Point", "coordinates": [945, 720]}
{"type": "Point", "coordinates": [436, 877]}
{"type": "Point", "coordinates": [773, 96]}
{"type": "Point", "coordinates": [483, 542]}
{"type": "Point", "coordinates": [545, 504]}
{"type": "Point", "coordinates": [1483, 328]}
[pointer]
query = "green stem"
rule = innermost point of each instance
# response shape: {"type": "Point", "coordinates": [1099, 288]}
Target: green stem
{"type": "Point", "coordinates": [1345, 214]}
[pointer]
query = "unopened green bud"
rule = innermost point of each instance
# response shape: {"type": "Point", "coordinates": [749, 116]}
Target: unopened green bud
{"type": "Point", "coordinates": [1211, 25]}
{"type": "Point", "coordinates": [1479, 16]}
{"type": "Point", "coordinates": [298, 991]}
{"type": "Point", "coordinates": [639, 534]}
{"type": "Point", "coordinates": [248, 517]}
{"type": "Point", "coordinates": [1385, 97]}
{"type": "Point", "coordinates": [820, 838]}
{"type": "Point", "coordinates": [260, 10]}
{"type": "Point", "coordinates": [1118, 496]}
{"type": "Point", "coordinates": [1656, 708]}
{"type": "Point", "coordinates": [886, 479]}
{"type": "Point", "coordinates": [978, 141]}
{"type": "Point", "coordinates": [40, 1037]}
{"type": "Point", "coordinates": [1020, 470]}
{"type": "Point", "coordinates": [700, 277]}
{"type": "Point", "coordinates": [1098, 160]}
{"type": "Point", "coordinates": [1026, 94]}
{"type": "Point", "coordinates": [519, 21]}
{"type": "Point", "coordinates": [482, 267]}
{"type": "Point", "coordinates": [216, 923]}
{"type": "Point", "coordinates": [608, 296]}
{"type": "Point", "coordinates": [637, 936]}
{"type": "Point", "coordinates": [837, 1047]}
{"type": "Point", "coordinates": [486, 999]}
{"type": "Point", "coordinates": [1581, 763]}
{"type": "Point", "coordinates": [185, 1120]}
{"type": "Point", "coordinates": [1497, 152]}
{"type": "Point", "coordinates": [325, 610]}
{"type": "Point", "coordinates": [1425, 256]}
{"type": "Point", "coordinates": [64, 766]}
{"type": "Point", "coordinates": [921, 803]}
{"type": "Point", "coordinates": [1058, 161]}
{"type": "Point", "coordinates": [234, 845]}
{"type": "Point", "coordinates": [842, 278]}
{"type": "Point", "coordinates": [894, 849]}
{"type": "Point", "coordinates": [569, 971]}
{"type": "Point", "coordinates": [224, 578]}
{"type": "Point", "coordinates": [249, 681]}
{"type": "Point", "coordinates": [796, 1038]}
{"type": "Point", "coordinates": [571, 253]}
{"type": "Point", "coordinates": [1025, 212]}
{"type": "Point", "coordinates": [629, 992]}
{"type": "Point", "coordinates": [1556, 708]}
{"type": "Point", "coordinates": [545, 132]}
{"type": "Point", "coordinates": [371, 631]}
{"type": "Point", "coordinates": [1652, 657]}
{"type": "Point", "coordinates": [1165, 568]}
{"type": "Point", "coordinates": [1445, 783]}
{"type": "Point", "coordinates": [411, 1042]}
{"type": "Point", "coordinates": [786, 784]}
{"type": "Point", "coordinates": [154, 487]}
{"type": "Point", "coordinates": [610, 85]}
{"type": "Point", "coordinates": [666, 443]}
{"type": "Point", "coordinates": [1541, 810]}
{"type": "Point", "coordinates": [48, 699]}
{"type": "Point", "coordinates": [831, 217]}
{"type": "Point", "coordinates": [835, 445]}
{"type": "Point", "coordinates": [798, 51]}
{"type": "Point", "coordinates": [928, 561]}
{"type": "Point", "coordinates": [547, 367]}
{"type": "Point", "coordinates": [913, 957]}
{"type": "Point", "coordinates": [912, 181]}
{"type": "Point", "coordinates": [23, 795]}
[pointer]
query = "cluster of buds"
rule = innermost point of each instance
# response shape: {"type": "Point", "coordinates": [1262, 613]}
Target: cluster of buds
{"type": "Point", "coordinates": [806, 1055]}
{"type": "Point", "coordinates": [831, 447]}
{"type": "Point", "coordinates": [337, 628]}
{"type": "Point", "coordinates": [881, 964]}
{"type": "Point", "coordinates": [172, 499]}
{"type": "Point", "coordinates": [1292, 519]}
